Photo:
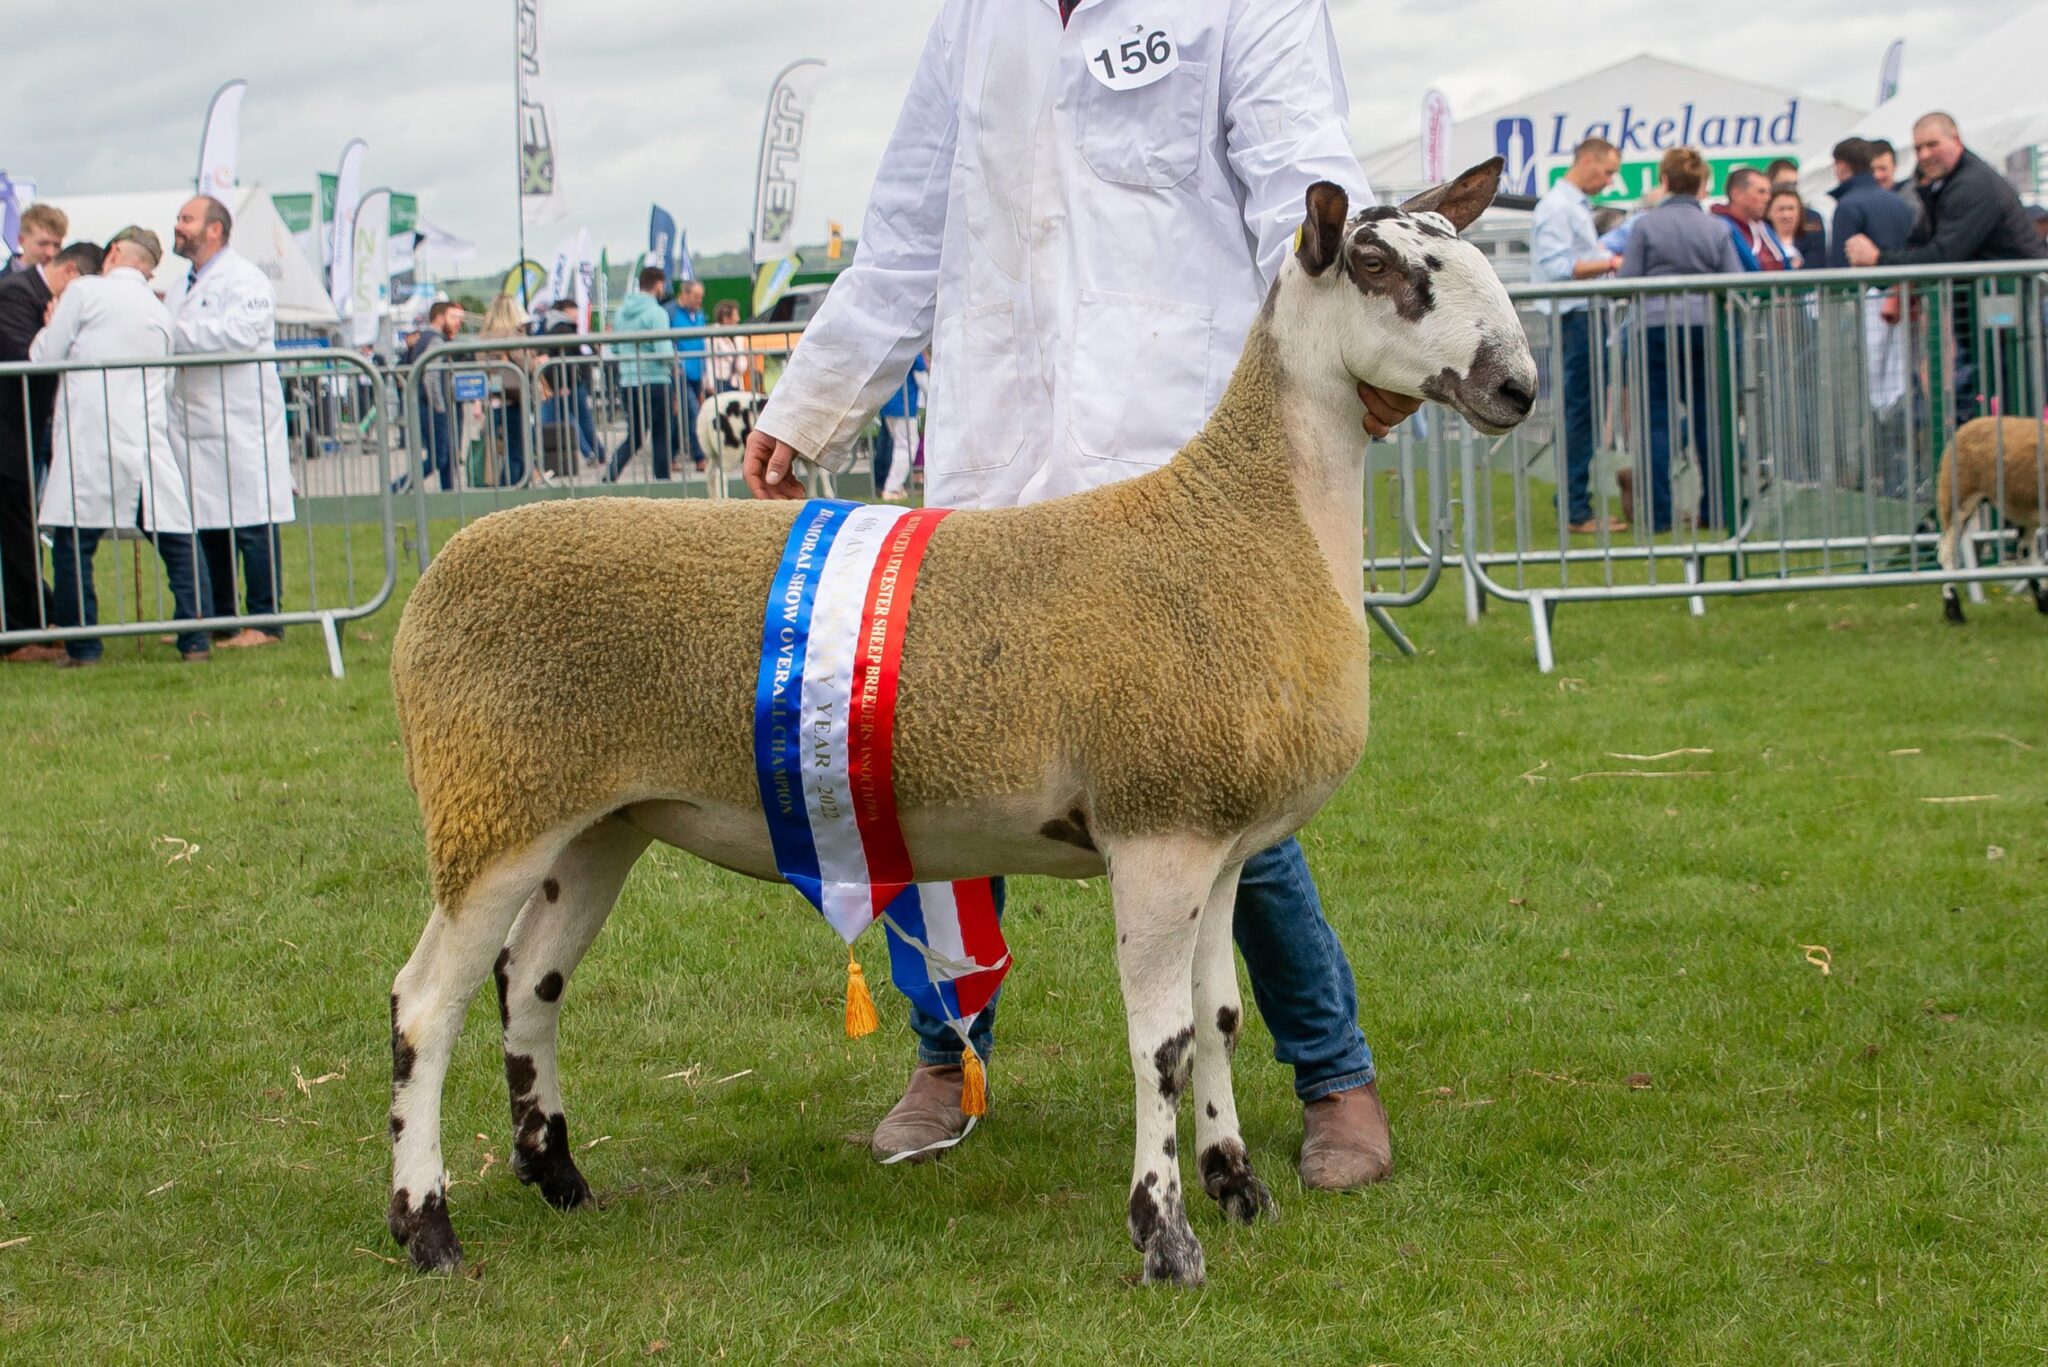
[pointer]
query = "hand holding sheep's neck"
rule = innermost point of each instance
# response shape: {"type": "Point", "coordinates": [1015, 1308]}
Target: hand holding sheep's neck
{"type": "Point", "coordinates": [1280, 448]}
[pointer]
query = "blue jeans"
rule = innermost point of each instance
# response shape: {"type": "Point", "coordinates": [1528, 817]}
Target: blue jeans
{"type": "Point", "coordinates": [687, 437]}
{"type": "Point", "coordinates": [1689, 369]}
{"type": "Point", "coordinates": [78, 602]}
{"type": "Point", "coordinates": [885, 456]}
{"type": "Point", "coordinates": [648, 418]}
{"type": "Point", "coordinates": [260, 548]}
{"type": "Point", "coordinates": [436, 445]}
{"type": "Point", "coordinates": [1300, 979]}
{"type": "Point", "coordinates": [509, 420]}
{"type": "Point", "coordinates": [1575, 389]}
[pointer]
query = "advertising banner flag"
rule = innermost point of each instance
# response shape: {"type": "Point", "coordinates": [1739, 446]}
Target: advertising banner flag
{"type": "Point", "coordinates": [585, 277]}
{"type": "Point", "coordinates": [781, 163]}
{"type": "Point", "coordinates": [1888, 73]}
{"type": "Point", "coordinates": [772, 281]}
{"type": "Point", "coordinates": [686, 269]}
{"type": "Point", "coordinates": [1436, 137]}
{"type": "Point", "coordinates": [661, 240]}
{"type": "Point", "coordinates": [221, 143]}
{"type": "Point", "coordinates": [835, 240]}
{"type": "Point", "coordinates": [12, 202]}
{"type": "Point", "coordinates": [348, 192]}
{"type": "Point", "coordinates": [525, 281]}
{"type": "Point", "coordinates": [369, 288]}
{"type": "Point", "coordinates": [405, 217]}
{"type": "Point", "coordinates": [540, 186]}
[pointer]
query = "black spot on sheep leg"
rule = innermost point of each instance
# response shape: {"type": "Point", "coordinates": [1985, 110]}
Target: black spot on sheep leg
{"type": "Point", "coordinates": [403, 1056]}
{"type": "Point", "coordinates": [1951, 605]}
{"type": "Point", "coordinates": [425, 1231]}
{"type": "Point", "coordinates": [501, 974]}
{"type": "Point", "coordinates": [1228, 1178]}
{"type": "Point", "coordinates": [549, 988]}
{"type": "Point", "coordinates": [1175, 1061]}
{"type": "Point", "coordinates": [1227, 1023]}
{"type": "Point", "coordinates": [1071, 829]}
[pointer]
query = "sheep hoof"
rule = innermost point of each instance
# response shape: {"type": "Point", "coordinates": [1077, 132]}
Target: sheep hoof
{"type": "Point", "coordinates": [427, 1234]}
{"type": "Point", "coordinates": [1952, 610]}
{"type": "Point", "coordinates": [561, 1184]}
{"type": "Point", "coordinates": [1174, 1257]}
{"type": "Point", "coordinates": [1228, 1178]}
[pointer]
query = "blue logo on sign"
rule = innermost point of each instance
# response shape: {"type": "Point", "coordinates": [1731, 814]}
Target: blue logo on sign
{"type": "Point", "coordinates": [1515, 140]}
{"type": "Point", "coordinates": [469, 386]}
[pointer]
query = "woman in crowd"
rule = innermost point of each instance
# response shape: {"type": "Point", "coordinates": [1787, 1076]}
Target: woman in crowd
{"type": "Point", "coordinates": [1787, 214]}
{"type": "Point", "coordinates": [731, 361]}
{"type": "Point", "coordinates": [1679, 237]}
{"type": "Point", "coordinates": [508, 406]}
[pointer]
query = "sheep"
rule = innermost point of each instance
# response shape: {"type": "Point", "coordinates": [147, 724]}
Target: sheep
{"type": "Point", "coordinates": [2000, 462]}
{"type": "Point", "coordinates": [1153, 680]}
{"type": "Point", "coordinates": [723, 422]}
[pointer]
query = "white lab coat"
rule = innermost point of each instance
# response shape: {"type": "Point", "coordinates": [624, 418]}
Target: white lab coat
{"type": "Point", "coordinates": [1084, 260]}
{"type": "Point", "coordinates": [227, 423]}
{"type": "Point", "coordinates": [111, 436]}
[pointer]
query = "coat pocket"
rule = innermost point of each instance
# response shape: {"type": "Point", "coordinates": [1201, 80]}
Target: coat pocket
{"type": "Point", "coordinates": [1149, 137]}
{"type": "Point", "coordinates": [978, 392]}
{"type": "Point", "coordinates": [1140, 376]}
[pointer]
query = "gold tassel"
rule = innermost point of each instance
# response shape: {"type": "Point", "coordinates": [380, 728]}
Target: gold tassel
{"type": "Point", "coordinates": [973, 1084]}
{"type": "Point", "coordinates": [860, 1007]}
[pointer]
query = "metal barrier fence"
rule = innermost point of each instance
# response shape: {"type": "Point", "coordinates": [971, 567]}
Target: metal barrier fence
{"type": "Point", "coordinates": [279, 517]}
{"type": "Point", "coordinates": [1739, 435]}
{"type": "Point", "coordinates": [1748, 434]}
{"type": "Point", "coordinates": [495, 422]}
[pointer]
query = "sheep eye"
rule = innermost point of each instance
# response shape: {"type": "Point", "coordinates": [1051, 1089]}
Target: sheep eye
{"type": "Point", "coordinates": [1370, 264]}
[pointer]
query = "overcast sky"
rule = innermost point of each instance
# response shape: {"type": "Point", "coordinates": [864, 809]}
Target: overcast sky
{"type": "Point", "coordinates": [661, 99]}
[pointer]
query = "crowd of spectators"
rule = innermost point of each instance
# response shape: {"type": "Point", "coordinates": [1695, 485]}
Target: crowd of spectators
{"type": "Point", "coordinates": [193, 459]}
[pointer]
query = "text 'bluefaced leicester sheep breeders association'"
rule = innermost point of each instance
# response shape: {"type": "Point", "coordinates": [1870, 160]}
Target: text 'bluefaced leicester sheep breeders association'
{"type": "Point", "coordinates": [824, 726]}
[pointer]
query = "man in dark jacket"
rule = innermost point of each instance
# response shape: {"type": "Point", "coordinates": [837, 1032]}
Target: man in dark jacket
{"type": "Point", "coordinates": [25, 408]}
{"type": "Point", "coordinates": [1862, 206]}
{"type": "Point", "coordinates": [1972, 213]}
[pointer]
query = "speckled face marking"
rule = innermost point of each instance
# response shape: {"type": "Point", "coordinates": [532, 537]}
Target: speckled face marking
{"type": "Point", "coordinates": [1387, 256]}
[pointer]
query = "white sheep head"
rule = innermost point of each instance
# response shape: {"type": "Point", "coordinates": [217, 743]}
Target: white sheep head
{"type": "Point", "coordinates": [1395, 298]}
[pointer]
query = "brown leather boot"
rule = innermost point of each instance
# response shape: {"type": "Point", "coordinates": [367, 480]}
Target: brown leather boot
{"type": "Point", "coordinates": [928, 1120]}
{"type": "Point", "coordinates": [1345, 1142]}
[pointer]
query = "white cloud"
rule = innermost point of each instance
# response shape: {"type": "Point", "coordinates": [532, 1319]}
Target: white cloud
{"type": "Point", "coordinates": [661, 100]}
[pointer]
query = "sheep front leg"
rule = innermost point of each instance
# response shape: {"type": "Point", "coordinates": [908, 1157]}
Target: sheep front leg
{"type": "Point", "coordinates": [1160, 886]}
{"type": "Point", "coordinates": [1219, 1012]}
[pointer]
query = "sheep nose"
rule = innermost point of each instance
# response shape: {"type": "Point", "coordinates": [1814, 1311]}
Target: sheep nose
{"type": "Point", "coordinates": [1519, 396]}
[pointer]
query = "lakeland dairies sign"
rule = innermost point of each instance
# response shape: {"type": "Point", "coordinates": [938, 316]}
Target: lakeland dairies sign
{"type": "Point", "coordinates": [1728, 138]}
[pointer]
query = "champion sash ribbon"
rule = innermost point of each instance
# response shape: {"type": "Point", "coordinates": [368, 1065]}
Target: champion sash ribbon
{"type": "Point", "coordinates": [824, 735]}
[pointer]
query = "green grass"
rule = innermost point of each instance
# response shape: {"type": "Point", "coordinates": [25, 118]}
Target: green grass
{"type": "Point", "coordinates": [1823, 1168]}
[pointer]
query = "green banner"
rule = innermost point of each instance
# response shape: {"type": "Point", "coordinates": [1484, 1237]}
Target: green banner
{"type": "Point", "coordinates": [405, 213]}
{"type": "Point", "coordinates": [1636, 177]}
{"type": "Point", "coordinates": [327, 193]}
{"type": "Point", "coordinates": [295, 210]}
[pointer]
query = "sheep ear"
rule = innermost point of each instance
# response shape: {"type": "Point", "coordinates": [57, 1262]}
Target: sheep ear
{"type": "Point", "coordinates": [1464, 199]}
{"type": "Point", "coordinates": [1323, 232]}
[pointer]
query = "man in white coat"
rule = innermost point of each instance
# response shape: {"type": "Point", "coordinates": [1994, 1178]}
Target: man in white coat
{"type": "Point", "coordinates": [1082, 209]}
{"type": "Point", "coordinates": [111, 462]}
{"type": "Point", "coordinates": [228, 422]}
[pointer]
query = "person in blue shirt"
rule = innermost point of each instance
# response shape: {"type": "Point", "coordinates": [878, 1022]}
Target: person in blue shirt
{"type": "Point", "coordinates": [899, 420]}
{"type": "Point", "coordinates": [1564, 246]}
{"type": "Point", "coordinates": [686, 310]}
{"type": "Point", "coordinates": [1863, 206]}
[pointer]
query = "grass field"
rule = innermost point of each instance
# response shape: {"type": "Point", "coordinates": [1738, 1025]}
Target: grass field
{"type": "Point", "coordinates": [1634, 1120]}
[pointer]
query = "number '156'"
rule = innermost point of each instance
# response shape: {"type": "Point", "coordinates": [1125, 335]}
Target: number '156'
{"type": "Point", "coordinates": [1135, 56]}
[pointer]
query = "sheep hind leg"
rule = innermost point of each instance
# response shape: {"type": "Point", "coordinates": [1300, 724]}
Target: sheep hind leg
{"type": "Point", "coordinates": [1220, 1157]}
{"type": "Point", "coordinates": [1160, 886]}
{"type": "Point", "coordinates": [1947, 552]}
{"type": "Point", "coordinates": [428, 1000]}
{"type": "Point", "coordinates": [554, 931]}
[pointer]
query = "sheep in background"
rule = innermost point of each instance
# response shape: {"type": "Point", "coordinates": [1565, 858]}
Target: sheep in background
{"type": "Point", "coordinates": [723, 422]}
{"type": "Point", "coordinates": [2000, 462]}
{"type": "Point", "coordinates": [1153, 680]}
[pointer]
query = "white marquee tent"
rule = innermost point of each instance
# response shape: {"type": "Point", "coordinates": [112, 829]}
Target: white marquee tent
{"type": "Point", "coordinates": [1993, 86]}
{"type": "Point", "coordinates": [259, 234]}
{"type": "Point", "coordinates": [1643, 105]}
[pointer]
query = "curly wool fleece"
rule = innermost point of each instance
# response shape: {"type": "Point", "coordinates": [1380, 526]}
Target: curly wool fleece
{"type": "Point", "coordinates": [1171, 651]}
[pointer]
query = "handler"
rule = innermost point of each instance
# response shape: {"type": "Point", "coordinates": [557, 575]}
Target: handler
{"type": "Point", "coordinates": [1082, 209]}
